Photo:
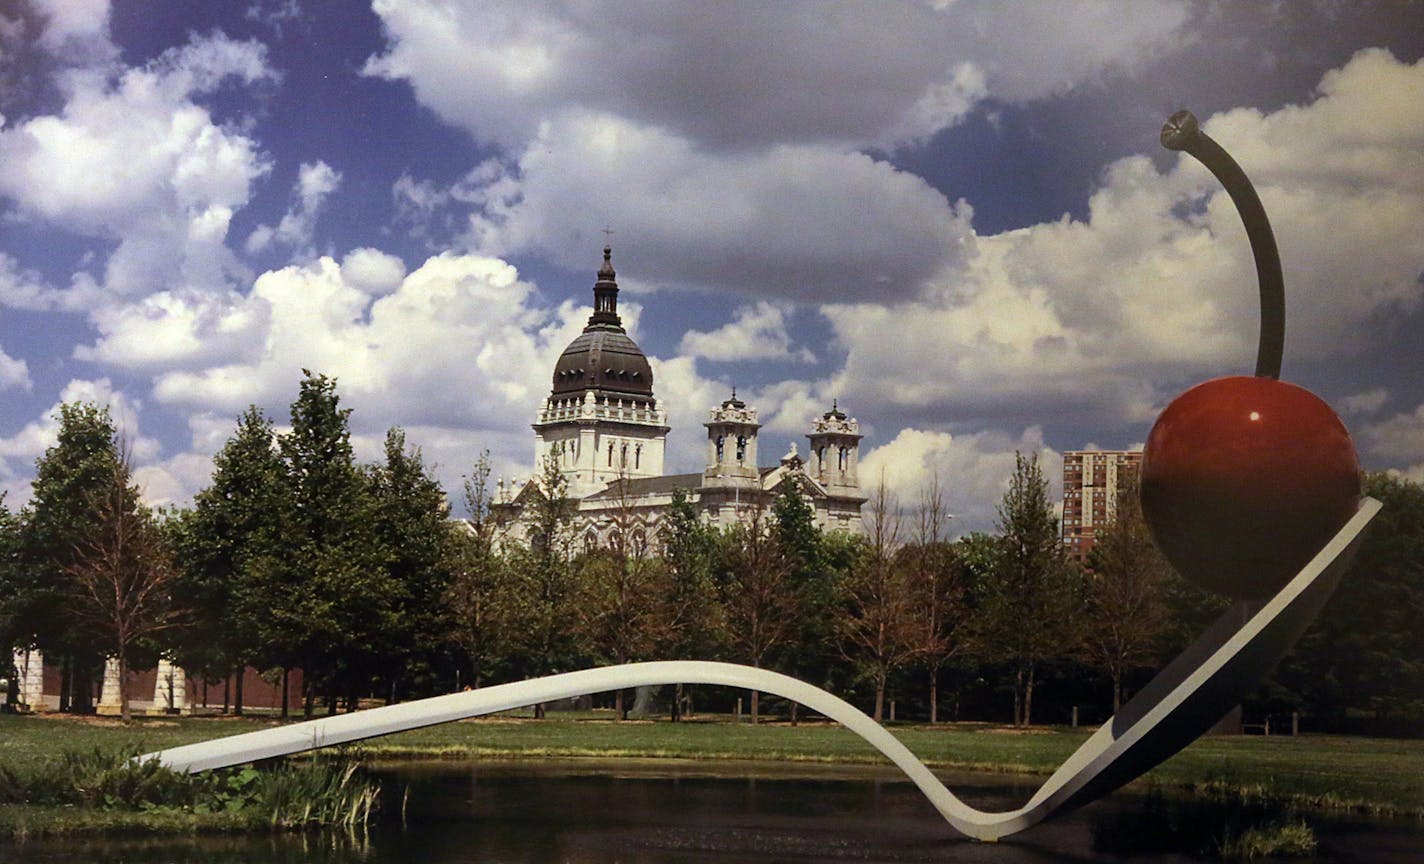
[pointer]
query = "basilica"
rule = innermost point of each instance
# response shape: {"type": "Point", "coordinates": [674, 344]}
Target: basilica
{"type": "Point", "coordinates": [603, 429]}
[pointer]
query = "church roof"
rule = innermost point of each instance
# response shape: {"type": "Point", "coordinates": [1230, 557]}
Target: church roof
{"type": "Point", "coordinates": [603, 357]}
{"type": "Point", "coordinates": [639, 486]}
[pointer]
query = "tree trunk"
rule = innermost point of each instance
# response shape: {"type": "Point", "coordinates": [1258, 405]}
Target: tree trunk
{"type": "Point", "coordinates": [879, 697]}
{"type": "Point", "coordinates": [124, 713]}
{"type": "Point", "coordinates": [66, 682]}
{"type": "Point", "coordinates": [237, 692]}
{"type": "Point", "coordinates": [285, 682]}
{"type": "Point", "coordinates": [677, 703]}
{"type": "Point", "coordinates": [795, 712]}
{"type": "Point", "coordinates": [1028, 699]}
{"type": "Point", "coordinates": [619, 713]}
{"type": "Point", "coordinates": [1018, 697]}
{"type": "Point", "coordinates": [755, 705]}
{"type": "Point", "coordinates": [934, 695]}
{"type": "Point", "coordinates": [1117, 691]}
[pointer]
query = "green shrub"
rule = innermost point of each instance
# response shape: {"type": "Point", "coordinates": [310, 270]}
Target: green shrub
{"type": "Point", "coordinates": [320, 792]}
{"type": "Point", "coordinates": [1275, 840]}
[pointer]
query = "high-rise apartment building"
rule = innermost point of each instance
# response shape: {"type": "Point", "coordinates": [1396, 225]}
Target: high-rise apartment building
{"type": "Point", "coordinates": [1091, 480]}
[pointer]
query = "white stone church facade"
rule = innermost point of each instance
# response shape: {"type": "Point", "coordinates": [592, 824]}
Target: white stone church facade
{"type": "Point", "coordinates": [602, 426]}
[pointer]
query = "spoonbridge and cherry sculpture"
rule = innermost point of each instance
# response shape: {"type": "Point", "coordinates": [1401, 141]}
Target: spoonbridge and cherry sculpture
{"type": "Point", "coordinates": [1251, 487]}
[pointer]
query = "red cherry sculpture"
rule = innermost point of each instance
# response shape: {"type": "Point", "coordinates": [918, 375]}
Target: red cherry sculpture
{"type": "Point", "coordinates": [1245, 479]}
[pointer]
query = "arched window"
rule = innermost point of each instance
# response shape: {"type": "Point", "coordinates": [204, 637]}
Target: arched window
{"type": "Point", "coordinates": [721, 443]}
{"type": "Point", "coordinates": [741, 448]}
{"type": "Point", "coordinates": [623, 456]}
{"type": "Point", "coordinates": [610, 454]}
{"type": "Point", "coordinates": [640, 542]}
{"type": "Point", "coordinates": [841, 459]}
{"type": "Point", "coordinates": [638, 456]}
{"type": "Point", "coordinates": [590, 541]}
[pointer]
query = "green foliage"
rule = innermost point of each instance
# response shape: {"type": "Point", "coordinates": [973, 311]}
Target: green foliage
{"type": "Point", "coordinates": [1029, 598]}
{"type": "Point", "coordinates": [10, 610]}
{"type": "Point", "coordinates": [696, 620]}
{"type": "Point", "coordinates": [1126, 615]}
{"type": "Point", "coordinates": [322, 792]}
{"type": "Point", "coordinates": [546, 587]}
{"type": "Point", "coordinates": [121, 578]}
{"type": "Point", "coordinates": [413, 538]}
{"type": "Point", "coordinates": [1365, 652]}
{"type": "Point", "coordinates": [330, 599]}
{"type": "Point", "coordinates": [68, 479]}
{"type": "Point", "coordinates": [1222, 820]}
{"type": "Point", "coordinates": [225, 544]}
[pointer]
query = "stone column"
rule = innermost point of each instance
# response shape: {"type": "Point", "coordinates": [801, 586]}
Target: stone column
{"type": "Point", "coordinates": [109, 694]}
{"type": "Point", "coordinates": [30, 667]}
{"type": "Point", "coordinates": [169, 673]}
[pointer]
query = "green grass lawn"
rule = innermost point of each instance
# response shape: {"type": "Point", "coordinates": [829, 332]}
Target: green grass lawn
{"type": "Point", "coordinates": [1372, 774]}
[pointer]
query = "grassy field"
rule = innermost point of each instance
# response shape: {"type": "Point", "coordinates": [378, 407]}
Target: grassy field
{"type": "Point", "coordinates": [1331, 772]}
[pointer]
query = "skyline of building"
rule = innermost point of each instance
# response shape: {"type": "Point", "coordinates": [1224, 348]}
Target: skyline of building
{"type": "Point", "coordinates": [1091, 481]}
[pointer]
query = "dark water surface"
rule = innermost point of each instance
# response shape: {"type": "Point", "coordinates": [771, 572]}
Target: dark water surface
{"type": "Point", "coordinates": [661, 812]}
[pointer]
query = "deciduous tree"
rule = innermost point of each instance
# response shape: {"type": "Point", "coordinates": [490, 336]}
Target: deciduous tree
{"type": "Point", "coordinates": [762, 602]}
{"type": "Point", "coordinates": [231, 537]}
{"type": "Point", "coordinates": [121, 574]}
{"type": "Point", "coordinates": [478, 599]}
{"type": "Point", "coordinates": [546, 586]}
{"type": "Point", "coordinates": [1126, 614]}
{"type": "Point", "coordinates": [69, 478]}
{"type": "Point", "coordinates": [943, 580]}
{"type": "Point", "coordinates": [881, 617]}
{"type": "Point", "coordinates": [1029, 604]}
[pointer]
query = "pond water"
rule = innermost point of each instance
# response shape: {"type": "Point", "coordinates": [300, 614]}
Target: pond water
{"type": "Point", "coordinates": [661, 812]}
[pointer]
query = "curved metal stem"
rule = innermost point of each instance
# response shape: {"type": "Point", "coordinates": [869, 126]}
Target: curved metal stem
{"type": "Point", "coordinates": [1182, 132]}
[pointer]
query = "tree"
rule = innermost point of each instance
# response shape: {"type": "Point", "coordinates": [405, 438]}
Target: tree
{"type": "Point", "coordinates": [880, 623]}
{"type": "Point", "coordinates": [330, 598]}
{"type": "Point", "coordinates": [761, 601]}
{"type": "Point", "coordinates": [9, 600]}
{"type": "Point", "coordinates": [623, 615]}
{"type": "Point", "coordinates": [943, 579]}
{"type": "Point", "coordinates": [1126, 615]}
{"type": "Point", "coordinates": [230, 538]}
{"type": "Point", "coordinates": [69, 478]}
{"type": "Point", "coordinates": [1029, 602]}
{"type": "Point", "coordinates": [1365, 651]}
{"type": "Point", "coordinates": [693, 614]}
{"type": "Point", "coordinates": [546, 587]}
{"type": "Point", "coordinates": [477, 600]}
{"type": "Point", "coordinates": [810, 651]}
{"type": "Point", "coordinates": [121, 574]}
{"type": "Point", "coordinates": [412, 536]}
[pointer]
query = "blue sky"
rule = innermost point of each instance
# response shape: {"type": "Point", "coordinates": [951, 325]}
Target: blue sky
{"type": "Point", "coordinates": [953, 217]}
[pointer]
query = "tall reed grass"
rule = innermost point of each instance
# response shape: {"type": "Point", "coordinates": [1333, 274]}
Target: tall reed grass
{"type": "Point", "coordinates": [321, 792]}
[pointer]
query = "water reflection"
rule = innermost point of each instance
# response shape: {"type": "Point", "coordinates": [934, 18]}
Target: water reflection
{"type": "Point", "coordinates": [673, 812]}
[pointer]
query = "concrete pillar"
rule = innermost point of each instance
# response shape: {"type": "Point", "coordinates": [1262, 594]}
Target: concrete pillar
{"type": "Point", "coordinates": [30, 666]}
{"type": "Point", "coordinates": [109, 694]}
{"type": "Point", "coordinates": [169, 674]}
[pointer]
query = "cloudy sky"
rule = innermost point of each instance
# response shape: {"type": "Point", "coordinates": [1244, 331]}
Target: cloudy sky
{"type": "Point", "coordinates": [954, 217]}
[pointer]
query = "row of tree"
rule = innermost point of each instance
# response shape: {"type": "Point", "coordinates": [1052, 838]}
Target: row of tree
{"type": "Point", "coordinates": [297, 557]}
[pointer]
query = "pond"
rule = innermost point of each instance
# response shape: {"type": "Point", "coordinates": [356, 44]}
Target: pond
{"type": "Point", "coordinates": [663, 812]}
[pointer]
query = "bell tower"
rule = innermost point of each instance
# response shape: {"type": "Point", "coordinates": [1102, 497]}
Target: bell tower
{"type": "Point", "coordinates": [731, 443]}
{"type": "Point", "coordinates": [835, 451]}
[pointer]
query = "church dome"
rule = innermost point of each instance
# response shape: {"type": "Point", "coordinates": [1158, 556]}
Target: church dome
{"type": "Point", "coordinates": [603, 357]}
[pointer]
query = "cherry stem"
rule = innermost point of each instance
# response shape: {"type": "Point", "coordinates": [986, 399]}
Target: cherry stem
{"type": "Point", "coordinates": [1182, 132]}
